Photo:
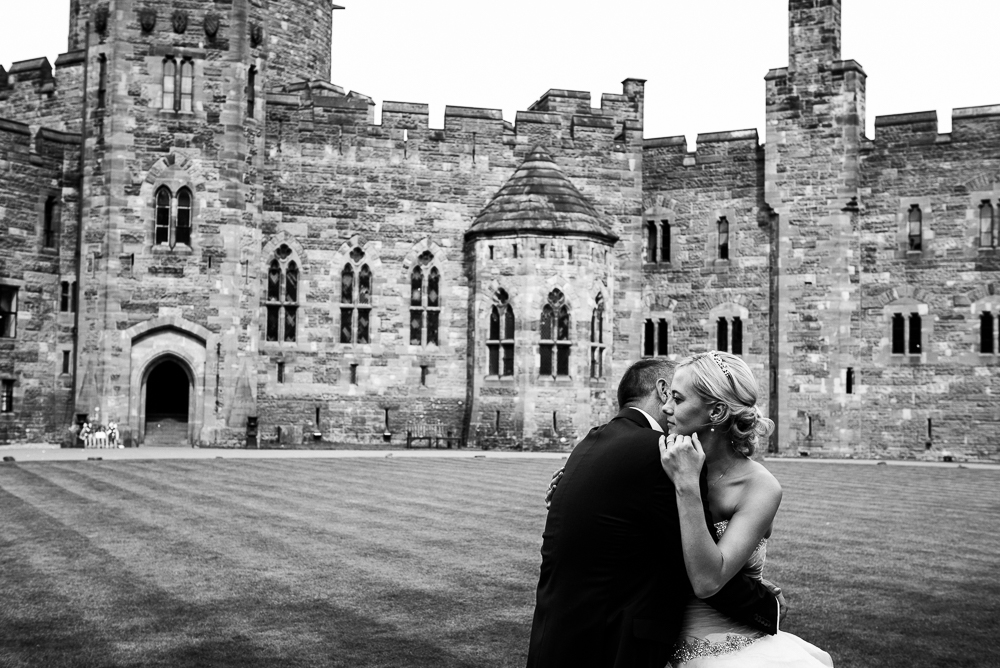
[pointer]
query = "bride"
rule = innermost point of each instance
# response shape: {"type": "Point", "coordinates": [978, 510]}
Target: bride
{"type": "Point", "coordinates": [715, 422]}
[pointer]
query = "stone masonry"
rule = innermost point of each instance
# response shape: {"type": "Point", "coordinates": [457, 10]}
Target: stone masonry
{"type": "Point", "coordinates": [200, 228]}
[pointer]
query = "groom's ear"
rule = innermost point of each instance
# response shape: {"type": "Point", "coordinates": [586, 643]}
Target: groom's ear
{"type": "Point", "coordinates": [662, 389]}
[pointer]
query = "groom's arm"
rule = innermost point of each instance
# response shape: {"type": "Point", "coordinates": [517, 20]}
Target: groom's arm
{"type": "Point", "coordinates": [748, 600]}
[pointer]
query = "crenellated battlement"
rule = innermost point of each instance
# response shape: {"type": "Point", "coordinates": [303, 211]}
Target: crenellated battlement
{"type": "Point", "coordinates": [709, 147]}
{"type": "Point", "coordinates": [558, 115]}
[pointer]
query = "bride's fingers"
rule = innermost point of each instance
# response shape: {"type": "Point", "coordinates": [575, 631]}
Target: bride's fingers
{"type": "Point", "coordinates": [696, 443]}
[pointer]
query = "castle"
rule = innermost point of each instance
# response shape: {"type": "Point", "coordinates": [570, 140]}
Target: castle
{"type": "Point", "coordinates": [200, 229]}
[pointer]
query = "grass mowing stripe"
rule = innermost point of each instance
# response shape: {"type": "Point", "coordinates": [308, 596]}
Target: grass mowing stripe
{"type": "Point", "coordinates": [885, 566]}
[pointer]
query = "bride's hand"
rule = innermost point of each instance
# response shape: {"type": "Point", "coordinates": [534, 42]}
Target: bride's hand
{"type": "Point", "coordinates": [682, 458]}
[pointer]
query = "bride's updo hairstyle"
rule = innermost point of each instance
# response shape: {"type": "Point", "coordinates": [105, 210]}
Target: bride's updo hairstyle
{"type": "Point", "coordinates": [721, 378]}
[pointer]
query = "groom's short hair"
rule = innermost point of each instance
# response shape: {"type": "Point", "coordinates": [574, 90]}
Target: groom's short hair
{"type": "Point", "coordinates": [640, 379]}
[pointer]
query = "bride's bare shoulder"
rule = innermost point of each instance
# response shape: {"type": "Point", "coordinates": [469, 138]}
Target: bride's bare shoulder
{"type": "Point", "coordinates": [762, 483]}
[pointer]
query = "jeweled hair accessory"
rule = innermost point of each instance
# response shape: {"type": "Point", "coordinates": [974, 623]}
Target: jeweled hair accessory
{"type": "Point", "coordinates": [722, 365]}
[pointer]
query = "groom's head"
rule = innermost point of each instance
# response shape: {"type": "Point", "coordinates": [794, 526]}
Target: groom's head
{"type": "Point", "coordinates": [645, 385]}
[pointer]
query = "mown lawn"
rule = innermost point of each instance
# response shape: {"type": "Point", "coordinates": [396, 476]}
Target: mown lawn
{"type": "Point", "coordinates": [433, 562]}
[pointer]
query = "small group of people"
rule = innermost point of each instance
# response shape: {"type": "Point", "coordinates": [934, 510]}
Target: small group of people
{"type": "Point", "coordinates": [657, 529]}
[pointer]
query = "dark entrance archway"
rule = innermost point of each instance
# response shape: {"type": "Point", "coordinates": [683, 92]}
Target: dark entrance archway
{"type": "Point", "coordinates": [168, 398]}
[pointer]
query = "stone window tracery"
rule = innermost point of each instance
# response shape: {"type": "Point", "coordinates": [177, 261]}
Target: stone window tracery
{"type": "Point", "coordinates": [729, 334]}
{"type": "Point", "coordinates": [500, 342]}
{"type": "Point", "coordinates": [554, 345]}
{"type": "Point", "coordinates": [178, 84]}
{"type": "Point", "coordinates": [597, 339]}
{"type": "Point", "coordinates": [173, 216]}
{"type": "Point", "coordinates": [906, 333]}
{"type": "Point", "coordinates": [655, 337]}
{"type": "Point", "coordinates": [282, 297]}
{"type": "Point", "coordinates": [658, 241]}
{"type": "Point", "coordinates": [67, 297]}
{"type": "Point", "coordinates": [425, 301]}
{"type": "Point", "coordinates": [355, 300]}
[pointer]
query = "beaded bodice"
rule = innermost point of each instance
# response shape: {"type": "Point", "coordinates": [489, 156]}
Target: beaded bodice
{"type": "Point", "coordinates": [755, 564]}
{"type": "Point", "coordinates": [706, 631]}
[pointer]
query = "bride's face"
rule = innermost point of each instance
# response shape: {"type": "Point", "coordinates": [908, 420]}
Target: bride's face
{"type": "Point", "coordinates": [686, 412]}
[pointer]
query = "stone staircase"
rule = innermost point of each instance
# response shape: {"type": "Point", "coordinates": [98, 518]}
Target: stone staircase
{"type": "Point", "coordinates": [166, 432]}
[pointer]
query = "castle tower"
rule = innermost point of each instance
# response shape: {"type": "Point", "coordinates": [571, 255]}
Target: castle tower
{"type": "Point", "coordinates": [815, 124]}
{"type": "Point", "coordinates": [541, 256]}
{"type": "Point", "coordinates": [172, 199]}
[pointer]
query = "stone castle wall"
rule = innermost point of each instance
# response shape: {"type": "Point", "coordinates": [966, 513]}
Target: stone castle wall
{"type": "Point", "coordinates": [818, 254]}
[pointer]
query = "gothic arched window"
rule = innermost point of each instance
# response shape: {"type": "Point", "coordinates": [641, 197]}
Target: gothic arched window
{"type": "Point", "coordinates": [178, 84]}
{"type": "Point", "coordinates": [172, 224]}
{"type": "Point", "coordinates": [425, 302]}
{"type": "Point", "coordinates": [500, 342]}
{"type": "Point", "coordinates": [355, 300]}
{"type": "Point", "coordinates": [169, 82]}
{"type": "Point", "coordinates": [554, 344]}
{"type": "Point", "coordinates": [282, 296]}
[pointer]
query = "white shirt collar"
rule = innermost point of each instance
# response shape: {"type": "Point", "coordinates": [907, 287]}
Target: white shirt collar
{"type": "Point", "coordinates": [653, 424]}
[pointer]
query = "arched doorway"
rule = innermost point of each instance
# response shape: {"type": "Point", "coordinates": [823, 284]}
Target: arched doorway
{"type": "Point", "coordinates": [168, 400]}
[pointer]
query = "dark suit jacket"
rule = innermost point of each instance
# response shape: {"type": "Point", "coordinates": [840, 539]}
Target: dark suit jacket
{"type": "Point", "coordinates": [613, 588]}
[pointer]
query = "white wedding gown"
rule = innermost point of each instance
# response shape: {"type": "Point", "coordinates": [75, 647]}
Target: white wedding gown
{"type": "Point", "coordinates": [709, 639]}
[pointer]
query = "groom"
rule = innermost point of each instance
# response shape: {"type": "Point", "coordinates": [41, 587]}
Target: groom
{"type": "Point", "coordinates": [613, 588]}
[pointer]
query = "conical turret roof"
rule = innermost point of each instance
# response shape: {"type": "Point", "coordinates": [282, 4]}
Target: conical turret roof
{"type": "Point", "coordinates": [539, 199]}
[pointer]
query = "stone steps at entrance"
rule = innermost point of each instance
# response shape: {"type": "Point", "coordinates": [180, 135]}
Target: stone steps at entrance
{"type": "Point", "coordinates": [166, 432]}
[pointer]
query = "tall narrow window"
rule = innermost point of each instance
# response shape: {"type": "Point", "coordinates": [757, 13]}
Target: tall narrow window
{"type": "Point", "coordinates": [915, 334]}
{"type": "Point", "coordinates": [169, 82]}
{"type": "Point", "coordinates": [364, 304]}
{"type": "Point", "coordinates": [562, 341]}
{"type": "Point", "coordinates": [49, 222]}
{"type": "Point", "coordinates": [65, 297]}
{"type": "Point", "coordinates": [987, 225]}
{"type": "Point", "coordinates": [898, 334]}
{"type": "Point", "coordinates": [416, 306]}
{"type": "Point", "coordinates": [722, 335]}
{"type": "Point", "coordinates": [649, 338]}
{"type": "Point", "coordinates": [425, 304]}
{"type": "Point", "coordinates": [424, 372]}
{"type": "Point", "coordinates": [354, 374]}
{"type": "Point", "coordinates": [281, 297]}
{"type": "Point", "coordinates": [173, 217]}
{"type": "Point", "coordinates": [289, 302]}
{"type": "Point", "coordinates": [500, 342]}
{"type": "Point", "coordinates": [915, 232]}
{"type": "Point", "coordinates": [546, 341]}
{"type": "Point", "coordinates": [737, 335]}
{"type": "Point", "coordinates": [6, 396]}
{"type": "Point", "coordinates": [723, 239]}
{"type": "Point", "coordinates": [651, 241]}
{"type": "Point", "coordinates": [102, 81]}
{"type": "Point", "coordinates": [251, 90]}
{"type": "Point", "coordinates": [849, 380]}
{"type": "Point", "coordinates": [662, 338]}
{"type": "Point", "coordinates": [65, 361]}
{"type": "Point", "coordinates": [986, 333]}
{"type": "Point", "coordinates": [183, 227]}
{"type": "Point", "coordinates": [163, 215]}
{"type": "Point", "coordinates": [664, 241]}
{"type": "Point", "coordinates": [281, 372]}
{"type": "Point", "coordinates": [186, 97]}
{"type": "Point", "coordinates": [8, 312]}
{"type": "Point", "coordinates": [355, 300]}
{"type": "Point", "coordinates": [597, 339]}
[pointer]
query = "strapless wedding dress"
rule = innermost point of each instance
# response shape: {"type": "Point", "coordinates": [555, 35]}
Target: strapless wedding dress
{"type": "Point", "coordinates": [709, 639]}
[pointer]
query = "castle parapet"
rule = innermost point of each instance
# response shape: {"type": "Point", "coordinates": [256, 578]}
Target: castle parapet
{"type": "Point", "coordinates": [975, 123]}
{"type": "Point", "coordinates": [563, 101]}
{"type": "Point", "coordinates": [909, 129]}
{"type": "Point", "coordinates": [405, 115]}
{"type": "Point", "coordinates": [36, 69]}
{"type": "Point", "coordinates": [484, 122]}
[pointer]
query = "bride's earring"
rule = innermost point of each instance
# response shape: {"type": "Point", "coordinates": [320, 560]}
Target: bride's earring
{"type": "Point", "coordinates": [712, 429]}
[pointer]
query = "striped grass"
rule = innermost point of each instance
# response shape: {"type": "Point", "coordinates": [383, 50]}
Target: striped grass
{"type": "Point", "coordinates": [433, 562]}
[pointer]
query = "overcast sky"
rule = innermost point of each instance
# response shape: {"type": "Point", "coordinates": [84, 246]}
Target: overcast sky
{"type": "Point", "coordinates": [704, 60]}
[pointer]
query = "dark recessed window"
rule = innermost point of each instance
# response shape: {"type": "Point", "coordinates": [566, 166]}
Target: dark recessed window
{"type": "Point", "coordinates": [915, 225]}
{"type": "Point", "coordinates": [8, 312]}
{"type": "Point", "coordinates": [500, 342]}
{"type": "Point", "coordinates": [723, 239]}
{"type": "Point", "coordinates": [6, 396]}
